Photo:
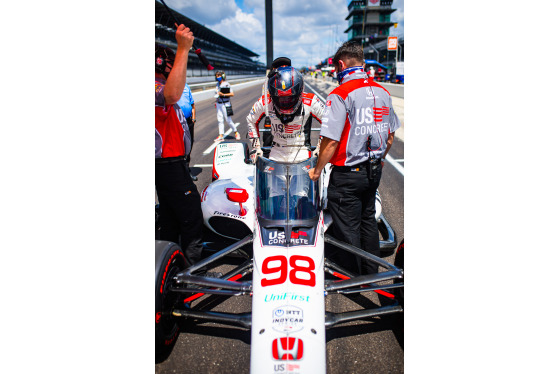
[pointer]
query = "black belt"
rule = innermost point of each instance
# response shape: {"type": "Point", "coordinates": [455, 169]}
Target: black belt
{"type": "Point", "coordinates": [358, 167]}
{"type": "Point", "coordinates": [168, 160]}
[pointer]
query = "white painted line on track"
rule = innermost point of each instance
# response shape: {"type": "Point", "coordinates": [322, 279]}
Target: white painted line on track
{"type": "Point", "coordinates": [388, 158]}
{"type": "Point", "coordinates": [318, 94]}
{"type": "Point", "coordinates": [202, 166]}
{"type": "Point", "coordinates": [395, 164]}
{"type": "Point", "coordinates": [211, 148]}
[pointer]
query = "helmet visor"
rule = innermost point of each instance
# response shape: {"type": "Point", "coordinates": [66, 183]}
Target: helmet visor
{"type": "Point", "coordinates": [286, 104]}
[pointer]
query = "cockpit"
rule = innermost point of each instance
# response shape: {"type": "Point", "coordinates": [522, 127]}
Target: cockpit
{"type": "Point", "coordinates": [284, 192]}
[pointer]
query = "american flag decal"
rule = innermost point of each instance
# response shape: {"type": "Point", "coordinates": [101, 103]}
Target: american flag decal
{"type": "Point", "coordinates": [378, 113]}
{"type": "Point", "coordinates": [296, 235]}
{"type": "Point", "coordinates": [289, 129]}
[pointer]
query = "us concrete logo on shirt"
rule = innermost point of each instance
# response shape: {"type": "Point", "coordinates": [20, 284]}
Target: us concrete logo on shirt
{"type": "Point", "coordinates": [287, 318]}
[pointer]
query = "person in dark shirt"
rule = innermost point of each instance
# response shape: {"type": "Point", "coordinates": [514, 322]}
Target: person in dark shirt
{"type": "Point", "coordinates": [179, 201]}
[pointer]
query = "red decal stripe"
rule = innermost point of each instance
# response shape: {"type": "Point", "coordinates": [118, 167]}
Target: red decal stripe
{"type": "Point", "coordinates": [193, 297]}
{"type": "Point", "coordinates": [196, 296]}
{"type": "Point", "coordinates": [381, 292]}
{"type": "Point", "coordinates": [387, 294]}
{"type": "Point", "coordinates": [341, 276]}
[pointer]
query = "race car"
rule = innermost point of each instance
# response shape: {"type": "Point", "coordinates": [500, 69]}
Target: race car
{"type": "Point", "coordinates": [278, 217]}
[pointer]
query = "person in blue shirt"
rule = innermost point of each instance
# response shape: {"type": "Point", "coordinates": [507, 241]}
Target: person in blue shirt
{"type": "Point", "coordinates": [187, 105]}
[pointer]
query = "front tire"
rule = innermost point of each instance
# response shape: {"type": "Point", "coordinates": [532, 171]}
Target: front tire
{"type": "Point", "coordinates": [170, 260]}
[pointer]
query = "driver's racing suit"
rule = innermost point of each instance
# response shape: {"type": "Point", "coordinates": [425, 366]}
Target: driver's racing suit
{"type": "Point", "coordinates": [292, 139]}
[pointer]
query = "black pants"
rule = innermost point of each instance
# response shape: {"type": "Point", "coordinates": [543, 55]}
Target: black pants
{"type": "Point", "coordinates": [351, 202]}
{"type": "Point", "coordinates": [179, 208]}
{"type": "Point", "coordinates": [190, 123]}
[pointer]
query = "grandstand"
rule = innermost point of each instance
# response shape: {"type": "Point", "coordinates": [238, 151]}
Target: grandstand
{"type": "Point", "coordinates": [222, 53]}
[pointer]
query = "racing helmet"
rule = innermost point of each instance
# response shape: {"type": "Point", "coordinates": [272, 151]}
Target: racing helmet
{"type": "Point", "coordinates": [285, 88]}
{"type": "Point", "coordinates": [165, 57]}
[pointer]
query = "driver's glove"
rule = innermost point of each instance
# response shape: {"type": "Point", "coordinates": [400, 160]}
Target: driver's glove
{"type": "Point", "coordinates": [257, 151]}
{"type": "Point", "coordinates": [315, 153]}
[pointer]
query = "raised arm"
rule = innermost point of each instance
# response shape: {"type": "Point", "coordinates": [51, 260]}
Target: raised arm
{"type": "Point", "coordinates": [178, 76]}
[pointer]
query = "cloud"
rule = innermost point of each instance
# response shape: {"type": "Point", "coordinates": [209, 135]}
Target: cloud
{"type": "Point", "coordinates": [305, 31]}
{"type": "Point", "coordinates": [204, 11]}
{"type": "Point", "coordinates": [254, 4]}
{"type": "Point", "coordinates": [244, 29]}
{"type": "Point", "coordinates": [315, 12]}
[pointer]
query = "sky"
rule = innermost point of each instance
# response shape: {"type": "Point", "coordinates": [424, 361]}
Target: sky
{"type": "Point", "coordinates": [305, 31]}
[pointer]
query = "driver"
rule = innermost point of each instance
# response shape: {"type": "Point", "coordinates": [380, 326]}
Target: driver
{"type": "Point", "coordinates": [291, 112]}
